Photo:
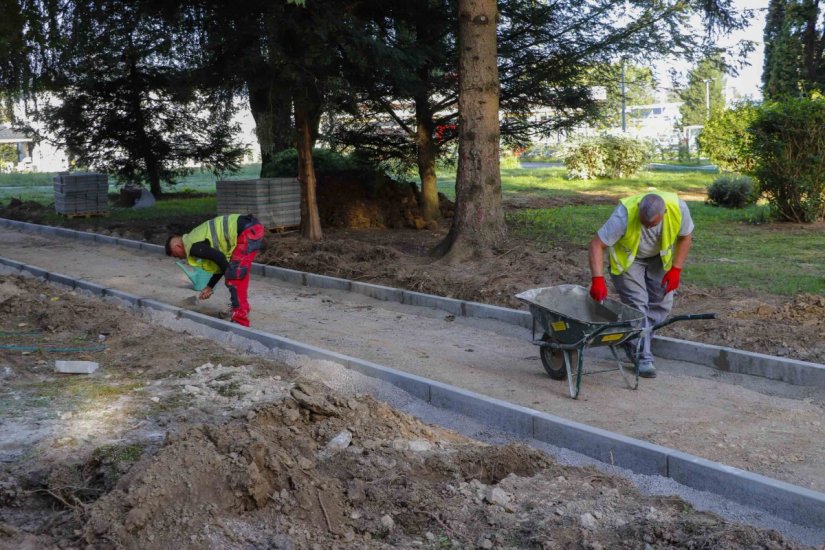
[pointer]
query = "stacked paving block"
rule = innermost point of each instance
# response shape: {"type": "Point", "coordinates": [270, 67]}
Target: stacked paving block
{"type": "Point", "coordinates": [81, 193]}
{"type": "Point", "coordinates": [276, 202]}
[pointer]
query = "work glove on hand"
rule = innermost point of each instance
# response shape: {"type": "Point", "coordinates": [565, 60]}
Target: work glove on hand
{"type": "Point", "coordinates": [671, 279]}
{"type": "Point", "coordinates": [598, 290]}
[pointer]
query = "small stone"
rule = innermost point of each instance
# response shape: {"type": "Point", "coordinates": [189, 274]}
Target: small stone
{"type": "Point", "coordinates": [485, 543]}
{"type": "Point", "coordinates": [387, 522]}
{"type": "Point", "coordinates": [340, 441]}
{"type": "Point", "coordinates": [496, 495]}
{"type": "Point", "coordinates": [588, 521]}
{"type": "Point", "coordinates": [420, 446]}
{"type": "Point", "coordinates": [355, 514]}
{"type": "Point", "coordinates": [429, 536]}
{"type": "Point", "coordinates": [155, 399]}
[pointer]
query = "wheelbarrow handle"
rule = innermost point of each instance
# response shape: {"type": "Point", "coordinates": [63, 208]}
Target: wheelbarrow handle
{"type": "Point", "coordinates": [675, 318]}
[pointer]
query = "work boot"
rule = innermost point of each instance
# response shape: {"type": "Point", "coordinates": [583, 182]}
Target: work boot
{"type": "Point", "coordinates": [647, 370]}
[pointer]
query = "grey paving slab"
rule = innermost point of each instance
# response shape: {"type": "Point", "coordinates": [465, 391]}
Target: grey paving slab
{"type": "Point", "coordinates": [450, 305]}
{"type": "Point", "coordinates": [35, 271]}
{"type": "Point", "coordinates": [323, 281]}
{"type": "Point", "coordinates": [105, 239]}
{"type": "Point", "coordinates": [286, 275]}
{"type": "Point", "coordinates": [8, 262]}
{"type": "Point", "coordinates": [160, 306]}
{"type": "Point", "coordinates": [385, 293]}
{"type": "Point", "coordinates": [501, 414]}
{"type": "Point", "coordinates": [608, 447]}
{"type": "Point", "coordinates": [126, 297]}
{"type": "Point", "coordinates": [61, 279]}
{"type": "Point", "coordinates": [503, 314]}
{"type": "Point", "coordinates": [89, 286]}
{"type": "Point", "coordinates": [790, 502]}
{"type": "Point", "coordinates": [410, 383]}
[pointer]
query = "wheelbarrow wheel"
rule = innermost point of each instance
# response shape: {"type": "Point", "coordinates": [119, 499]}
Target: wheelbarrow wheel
{"type": "Point", "coordinates": [553, 361]}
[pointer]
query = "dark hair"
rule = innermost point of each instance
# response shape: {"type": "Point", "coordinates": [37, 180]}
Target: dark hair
{"type": "Point", "coordinates": [169, 244]}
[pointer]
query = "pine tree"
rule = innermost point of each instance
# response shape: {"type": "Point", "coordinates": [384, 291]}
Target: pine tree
{"type": "Point", "coordinates": [126, 106]}
{"type": "Point", "coordinates": [794, 43]}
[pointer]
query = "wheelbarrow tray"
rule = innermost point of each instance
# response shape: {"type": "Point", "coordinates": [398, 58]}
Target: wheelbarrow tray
{"type": "Point", "coordinates": [566, 315]}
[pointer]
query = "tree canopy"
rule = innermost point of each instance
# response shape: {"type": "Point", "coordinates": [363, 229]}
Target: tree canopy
{"type": "Point", "coordinates": [794, 45]}
{"type": "Point", "coordinates": [704, 94]}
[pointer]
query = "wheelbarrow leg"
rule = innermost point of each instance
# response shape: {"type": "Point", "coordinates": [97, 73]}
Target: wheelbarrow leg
{"type": "Point", "coordinates": [568, 365]}
{"type": "Point", "coordinates": [630, 378]}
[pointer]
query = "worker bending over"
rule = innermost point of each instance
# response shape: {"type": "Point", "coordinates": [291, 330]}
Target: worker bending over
{"type": "Point", "coordinates": [223, 246]}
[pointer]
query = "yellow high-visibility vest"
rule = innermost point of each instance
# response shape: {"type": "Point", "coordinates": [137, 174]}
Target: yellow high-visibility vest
{"type": "Point", "coordinates": [623, 253]}
{"type": "Point", "coordinates": [221, 232]}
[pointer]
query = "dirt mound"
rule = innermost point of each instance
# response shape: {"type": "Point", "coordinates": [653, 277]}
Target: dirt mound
{"type": "Point", "coordinates": [803, 309]}
{"type": "Point", "coordinates": [321, 471]}
{"type": "Point", "coordinates": [362, 200]}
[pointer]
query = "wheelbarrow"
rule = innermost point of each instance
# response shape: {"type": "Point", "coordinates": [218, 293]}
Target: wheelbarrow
{"type": "Point", "coordinates": [570, 321]}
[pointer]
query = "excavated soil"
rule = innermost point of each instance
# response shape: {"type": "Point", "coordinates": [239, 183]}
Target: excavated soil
{"type": "Point", "coordinates": [176, 442]}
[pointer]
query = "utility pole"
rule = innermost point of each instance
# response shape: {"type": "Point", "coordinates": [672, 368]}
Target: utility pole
{"type": "Point", "coordinates": [624, 115]}
{"type": "Point", "coordinates": [707, 98]}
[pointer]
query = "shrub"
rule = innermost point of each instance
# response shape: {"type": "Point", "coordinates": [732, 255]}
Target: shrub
{"type": "Point", "coordinates": [625, 156]}
{"type": "Point", "coordinates": [789, 144]}
{"type": "Point", "coordinates": [606, 156]}
{"type": "Point", "coordinates": [285, 163]}
{"type": "Point", "coordinates": [585, 160]}
{"type": "Point", "coordinates": [732, 191]}
{"type": "Point", "coordinates": [8, 155]}
{"type": "Point", "coordinates": [725, 139]}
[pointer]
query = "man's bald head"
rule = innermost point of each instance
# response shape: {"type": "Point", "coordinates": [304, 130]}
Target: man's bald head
{"type": "Point", "coordinates": [651, 210]}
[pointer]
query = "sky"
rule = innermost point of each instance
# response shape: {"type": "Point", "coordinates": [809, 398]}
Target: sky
{"type": "Point", "coordinates": [749, 79]}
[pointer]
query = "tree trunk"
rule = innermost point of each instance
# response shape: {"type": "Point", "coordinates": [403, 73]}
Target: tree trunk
{"type": "Point", "coordinates": [427, 153]}
{"type": "Point", "coordinates": [271, 107]}
{"type": "Point", "coordinates": [478, 224]}
{"type": "Point", "coordinates": [305, 114]}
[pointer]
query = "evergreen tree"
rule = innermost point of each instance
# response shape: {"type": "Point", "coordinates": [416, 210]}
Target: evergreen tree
{"type": "Point", "coordinates": [126, 105]}
{"type": "Point", "coordinates": [794, 42]}
{"type": "Point", "coordinates": [706, 76]}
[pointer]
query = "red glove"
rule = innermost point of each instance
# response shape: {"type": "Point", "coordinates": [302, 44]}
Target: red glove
{"type": "Point", "coordinates": [671, 279]}
{"type": "Point", "coordinates": [598, 290]}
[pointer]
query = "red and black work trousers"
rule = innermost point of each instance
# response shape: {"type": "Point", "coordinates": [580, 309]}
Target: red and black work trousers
{"type": "Point", "coordinates": [237, 274]}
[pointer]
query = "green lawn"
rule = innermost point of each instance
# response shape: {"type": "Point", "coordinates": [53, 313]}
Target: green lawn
{"type": "Point", "coordinates": [727, 249]}
{"type": "Point", "coordinates": [552, 182]}
{"type": "Point", "coordinates": [38, 186]}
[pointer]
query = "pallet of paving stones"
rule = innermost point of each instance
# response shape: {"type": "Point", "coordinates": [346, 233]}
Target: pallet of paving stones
{"type": "Point", "coordinates": [81, 194]}
{"type": "Point", "coordinates": [276, 202]}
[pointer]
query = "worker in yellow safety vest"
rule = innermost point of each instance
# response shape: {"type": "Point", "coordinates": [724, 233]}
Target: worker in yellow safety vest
{"type": "Point", "coordinates": [224, 246]}
{"type": "Point", "coordinates": [647, 237]}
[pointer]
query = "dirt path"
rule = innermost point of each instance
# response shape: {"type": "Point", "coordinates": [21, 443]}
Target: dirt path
{"type": "Point", "coordinates": [761, 426]}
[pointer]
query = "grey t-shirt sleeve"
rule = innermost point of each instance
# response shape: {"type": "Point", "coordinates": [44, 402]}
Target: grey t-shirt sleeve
{"type": "Point", "coordinates": [687, 222]}
{"type": "Point", "coordinates": [615, 226]}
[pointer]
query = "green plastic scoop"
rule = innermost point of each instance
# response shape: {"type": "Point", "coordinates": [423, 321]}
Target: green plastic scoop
{"type": "Point", "coordinates": [198, 276]}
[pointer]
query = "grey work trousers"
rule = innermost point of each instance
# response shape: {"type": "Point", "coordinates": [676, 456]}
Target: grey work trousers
{"type": "Point", "coordinates": [641, 287]}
